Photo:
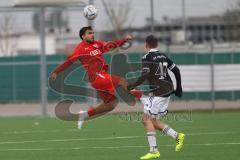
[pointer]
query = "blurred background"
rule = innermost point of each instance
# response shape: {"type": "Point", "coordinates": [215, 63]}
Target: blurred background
{"type": "Point", "coordinates": [202, 37]}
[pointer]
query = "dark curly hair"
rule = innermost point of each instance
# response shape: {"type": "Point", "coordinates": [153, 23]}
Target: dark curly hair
{"type": "Point", "coordinates": [83, 31]}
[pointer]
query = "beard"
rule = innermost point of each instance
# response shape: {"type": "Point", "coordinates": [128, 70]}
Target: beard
{"type": "Point", "coordinates": [90, 40]}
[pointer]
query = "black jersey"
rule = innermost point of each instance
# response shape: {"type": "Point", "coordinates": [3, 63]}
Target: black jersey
{"type": "Point", "coordinates": [155, 67]}
{"type": "Point", "coordinates": [156, 64]}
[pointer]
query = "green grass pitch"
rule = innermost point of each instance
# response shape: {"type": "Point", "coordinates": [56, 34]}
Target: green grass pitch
{"type": "Point", "coordinates": [210, 136]}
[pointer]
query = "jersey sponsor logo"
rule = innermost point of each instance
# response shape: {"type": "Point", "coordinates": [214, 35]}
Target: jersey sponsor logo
{"type": "Point", "coordinates": [95, 52]}
{"type": "Point", "coordinates": [95, 46]}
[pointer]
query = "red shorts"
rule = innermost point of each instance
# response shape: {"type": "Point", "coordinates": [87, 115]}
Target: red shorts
{"type": "Point", "coordinates": [106, 85]}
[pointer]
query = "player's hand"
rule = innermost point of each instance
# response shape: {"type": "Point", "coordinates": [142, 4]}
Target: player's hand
{"type": "Point", "coordinates": [178, 92]}
{"type": "Point", "coordinates": [53, 76]}
{"type": "Point", "coordinates": [127, 37]}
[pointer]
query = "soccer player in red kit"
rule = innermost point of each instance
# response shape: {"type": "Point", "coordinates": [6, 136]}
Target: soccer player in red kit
{"type": "Point", "coordinates": [90, 53]}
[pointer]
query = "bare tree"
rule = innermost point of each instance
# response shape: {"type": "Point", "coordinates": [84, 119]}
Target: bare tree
{"type": "Point", "coordinates": [118, 14]}
{"type": "Point", "coordinates": [6, 28]}
{"type": "Point", "coordinates": [232, 20]}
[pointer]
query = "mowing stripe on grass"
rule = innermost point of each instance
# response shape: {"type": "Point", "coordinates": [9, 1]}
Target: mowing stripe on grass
{"type": "Point", "coordinates": [113, 147]}
{"type": "Point", "coordinates": [106, 138]}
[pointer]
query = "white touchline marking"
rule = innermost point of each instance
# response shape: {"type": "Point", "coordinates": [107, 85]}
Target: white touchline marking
{"type": "Point", "coordinates": [215, 144]}
{"type": "Point", "coordinates": [105, 138]}
{"type": "Point", "coordinates": [66, 140]}
{"type": "Point", "coordinates": [39, 131]}
{"type": "Point", "coordinates": [208, 133]}
{"type": "Point", "coordinates": [112, 147]}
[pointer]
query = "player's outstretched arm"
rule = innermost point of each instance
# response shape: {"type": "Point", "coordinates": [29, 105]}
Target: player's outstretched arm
{"type": "Point", "coordinates": [121, 41]}
{"type": "Point", "coordinates": [142, 78]}
{"type": "Point", "coordinates": [111, 45]}
{"type": "Point", "coordinates": [62, 67]}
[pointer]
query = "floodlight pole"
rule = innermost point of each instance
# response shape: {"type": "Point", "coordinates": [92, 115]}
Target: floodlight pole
{"type": "Point", "coordinates": [43, 63]}
{"type": "Point", "coordinates": [152, 16]}
{"type": "Point", "coordinates": [184, 20]}
{"type": "Point", "coordinates": [212, 72]}
{"type": "Point", "coordinates": [92, 101]}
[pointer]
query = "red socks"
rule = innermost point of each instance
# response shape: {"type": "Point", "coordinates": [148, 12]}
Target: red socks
{"type": "Point", "coordinates": [136, 93]}
{"type": "Point", "coordinates": [91, 112]}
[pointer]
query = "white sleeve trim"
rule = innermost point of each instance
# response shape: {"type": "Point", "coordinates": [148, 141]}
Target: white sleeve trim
{"type": "Point", "coordinates": [146, 69]}
{"type": "Point", "coordinates": [172, 66]}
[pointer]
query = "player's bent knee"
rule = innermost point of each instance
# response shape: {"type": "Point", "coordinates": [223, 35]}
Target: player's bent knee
{"type": "Point", "coordinates": [145, 119]}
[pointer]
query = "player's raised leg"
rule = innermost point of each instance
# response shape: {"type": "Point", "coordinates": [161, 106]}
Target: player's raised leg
{"type": "Point", "coordinates": [106, 86]}
{"type": "Point", "coordinates": [97, 111]}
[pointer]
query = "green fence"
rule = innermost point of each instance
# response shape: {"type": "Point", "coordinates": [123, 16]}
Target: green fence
{"type": "Point", "coordinates": [20, 76]}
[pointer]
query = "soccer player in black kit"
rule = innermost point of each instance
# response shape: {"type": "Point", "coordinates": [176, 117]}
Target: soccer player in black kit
{"type": "Point", "coordinates": [155, 66]}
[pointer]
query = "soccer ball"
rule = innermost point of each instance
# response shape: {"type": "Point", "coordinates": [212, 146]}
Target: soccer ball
{"type": "Point", "coordinates": [90, 12]}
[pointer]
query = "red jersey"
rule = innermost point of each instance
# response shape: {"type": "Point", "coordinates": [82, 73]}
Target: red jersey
{"type": "Point", "coordinates": [91, 57]}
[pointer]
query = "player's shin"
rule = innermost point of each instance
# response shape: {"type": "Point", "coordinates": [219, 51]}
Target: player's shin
{"type": "Point", "coordinates": [85, 115]}
{"type": "Point", "coordinates": [90, 114]}
{"type": "Point", "coordinates": [170, 132]}
{"type": "Point", "coordinates": [151, 133]}
{"type": "Point", "coordinates": [152, 141]}
{"type": "Point", "coordinates": [97, 111]}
